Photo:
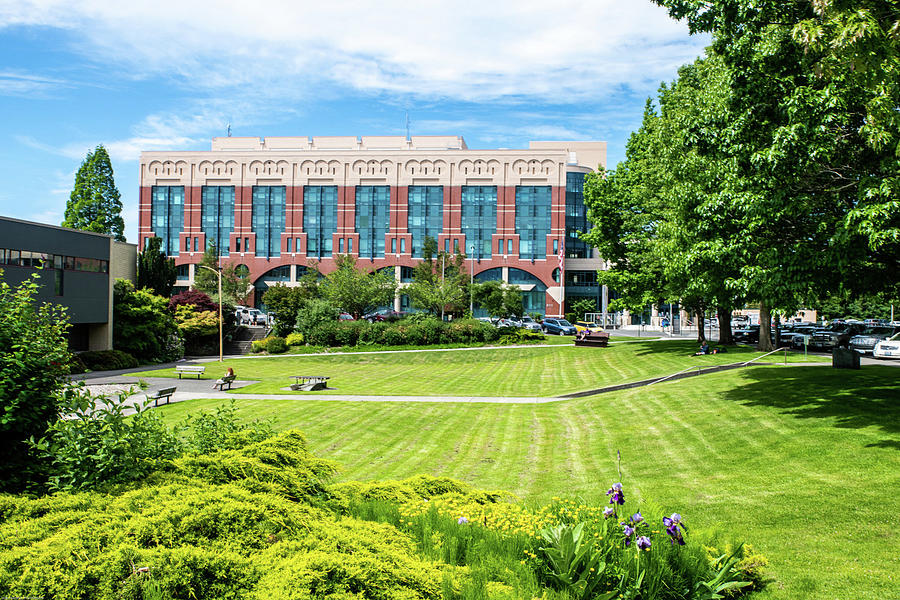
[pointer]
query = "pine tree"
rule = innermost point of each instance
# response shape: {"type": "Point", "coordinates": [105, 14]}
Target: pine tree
{"type": "Point", "coordinates": [155, 270]}
{"type": "Point", "coordinates": [94, 204]}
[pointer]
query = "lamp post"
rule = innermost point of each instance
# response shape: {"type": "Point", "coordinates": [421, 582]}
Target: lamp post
{"type": "Point", "coordinates": [472, 283]}
{"type": "Point", "coordinates": [219, 275]}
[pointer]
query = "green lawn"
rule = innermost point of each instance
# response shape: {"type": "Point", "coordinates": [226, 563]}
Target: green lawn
{"type": "Point", "coordinates": [528, 371]}
{"type": "Point", "coordinates": [800, 461]}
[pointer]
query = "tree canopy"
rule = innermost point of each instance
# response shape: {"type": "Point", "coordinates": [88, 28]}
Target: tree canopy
{"type": "Point", "coordinates": [440, 282]}
{"type": "Point", "coordinates": [767, 171]}
{"type": "Point", "coordinates": [358, 291]}
{"type": "Point", "coordinates": [94, 203]}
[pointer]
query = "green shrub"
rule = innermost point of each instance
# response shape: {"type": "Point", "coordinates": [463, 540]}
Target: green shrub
{"type": "Point", "coordinates": [294, 339]}
{"type": "Point", "coordinates": [275, 345]}
{"type": "Point", "coordinates": [143, 326]}
{"type": "Point", "coordinates": [34, 361]}
{"type": "Point", "coordinates": [76, 365]}
{"type": "Point", "coordinates": [313, 314]}
{"type": "Point", "coordinates": [97, 444]}
{"type": "Point", "coordinates": [107, 360]}
{"type": "Point", "coordinates": [259, 345]}
{"type": "Point", "coordinates": [208, 431]}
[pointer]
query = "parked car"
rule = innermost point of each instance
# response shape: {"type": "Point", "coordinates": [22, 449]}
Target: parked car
{"type": "Point", "coordinates": [384, 314]}
{"type": "Point", "coordinates": [345, 316]}
{"type": "Point", "coordinates": [800, 335]}
{"type": "Point", "coordinates": [864, 343]}
{"type": "Point", "coordinates": [558, 326]}
{"type": "Point", "coordinates": [253, 316]}
{"type": "Point", "coordinates": [530, 324]}
{"type": "Point", "coordinates": [889, 348]}
{"type": "Point", "coordinates": [587, 326]}
{"type": "Point", "coordinates": [746, 335]}
{"type": "Point", "coordinates": [835, 335]}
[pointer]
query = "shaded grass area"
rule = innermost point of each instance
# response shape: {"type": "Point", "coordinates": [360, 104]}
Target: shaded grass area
{"type": "Point", "coordinates": [801, 462]}
{"type": "Point", "coordinates": [542, 371]}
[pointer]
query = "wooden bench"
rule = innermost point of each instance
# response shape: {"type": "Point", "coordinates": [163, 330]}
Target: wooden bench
{"type": "Point", "coordinates": [190, 370]}
{"type": "Point", "coordinates": [596, 339]}
{"type": "Point", "coordinates": [309, 383]}
{"type": "Point", "coordinates": [160, 394]}
{"type": "Point", "coordinates": [227, 380]}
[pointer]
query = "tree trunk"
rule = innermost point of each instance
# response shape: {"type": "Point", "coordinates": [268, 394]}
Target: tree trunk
{"type": "Point", "coordinates": [777, 331]}
{"type": "Point", "coordinates": [765, 328]}
{"type": "Point", "coordinates": [724, 316]}
{"type": "Point", "coordinates": [701, 326]}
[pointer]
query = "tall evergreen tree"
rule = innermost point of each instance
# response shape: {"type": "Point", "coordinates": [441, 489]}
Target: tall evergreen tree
{"type": "Point", "coordinates": [155, 270]}
{"type": "Point", "coordinates": [94, 204]}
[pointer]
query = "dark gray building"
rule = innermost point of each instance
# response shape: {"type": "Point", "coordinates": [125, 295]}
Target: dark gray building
{"type": "Point", "coordinates": [77, 270]}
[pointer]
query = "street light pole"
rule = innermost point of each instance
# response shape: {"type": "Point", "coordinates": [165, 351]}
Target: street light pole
{"type": "Point", "coordinates": [219, 275]}
{"type": "Point", "coordinates": [472, 283]}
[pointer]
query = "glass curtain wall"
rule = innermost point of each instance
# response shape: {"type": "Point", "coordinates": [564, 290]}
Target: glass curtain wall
{"type": "Point", "coordinates": [533, 220]}
{"type": "Point", "coordinates": [373, 203]}
{"type": "Point", "coordinates": [535, 299]}
{"type": "Point", "coordinates": [167, 215]}
{"type": "Point", "coordinates": [268, 218]}
{"type": "Point", "coordinates": [479, 219]}
{"type": "Point", "coordinates": [576, 217]}
{"type": "Point", "coordinates": [217, 215]}
{"type": "Point", "coordinates": [425, 214]}
{"type": "Point", "coordinates": [319, 218]}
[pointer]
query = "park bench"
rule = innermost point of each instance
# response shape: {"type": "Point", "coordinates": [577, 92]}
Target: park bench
{"type": "Point", "coordinates": [597, 339]}
{"type": "Point", "coordinates": [309, 383]}
{"type": "Point", "coordinates": [160, 394]}
{"type": "Point", "coordinates": [190, 370]}
{"type": "Point", "coordinates": [227, 380]}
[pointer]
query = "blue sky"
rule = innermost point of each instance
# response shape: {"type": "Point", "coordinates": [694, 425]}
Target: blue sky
{"type": "Point", "coordinates": [142, 75]}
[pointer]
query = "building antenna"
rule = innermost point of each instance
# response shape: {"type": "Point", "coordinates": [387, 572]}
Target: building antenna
{"type": "Point", "coordinates": [407, 126]}
{"type": "Point", "coordinates": [228, 130]}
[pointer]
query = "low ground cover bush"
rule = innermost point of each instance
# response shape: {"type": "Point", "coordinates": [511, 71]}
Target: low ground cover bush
{"type": "Point", "coordinates": [260, 519]}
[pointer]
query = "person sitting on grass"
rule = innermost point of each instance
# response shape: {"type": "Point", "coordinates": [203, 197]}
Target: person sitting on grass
{"type": "Point", "coordinates": [704, 348]}
{"type": "Point", "coordinates": [228, 373]}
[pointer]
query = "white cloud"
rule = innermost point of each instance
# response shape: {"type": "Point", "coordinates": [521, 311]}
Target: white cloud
{"type": "Point", "coordinates": [564, 51]}
{"type": "Point", "coordinates": [28, 85]}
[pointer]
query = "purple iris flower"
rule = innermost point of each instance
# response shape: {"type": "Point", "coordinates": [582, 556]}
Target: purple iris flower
{"type": "Point", "coordinates": [672, 528]}
{"type": "Point", "coordinates": [608, 512]}
{"type": "Point", "coordinates": [636, 517]}
{"type": "Point", "coordinates": [628, 531]}
{"type": "Point", "coordinates": [643, 542]}
{"type": "Point", "coordinates": [615, 493]}
{"type": "Point", "coordinates": [462, 521]}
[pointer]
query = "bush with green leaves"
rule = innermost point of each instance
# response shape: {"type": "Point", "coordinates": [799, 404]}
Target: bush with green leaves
{"type": "Point", "coordinates": [143, 326]}
{"type": "Point", "coordinates": [294, 339]}
{"type": "Point", "coordinates": [412, 332]}
{"type": "Point", "coordinates": [313, 314]}
{"type": "Point", "coordinates": [98, 444]}
{"type": "Point", "coordinates": [107, 360]}
{"type": "Point", "coordinates": [34, 361]}
{"type": "Point", "coordinates": [276, 345]}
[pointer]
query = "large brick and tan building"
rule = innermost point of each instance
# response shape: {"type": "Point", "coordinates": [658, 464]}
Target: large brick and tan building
{"type": "Point", "coordinates": [275, 204]}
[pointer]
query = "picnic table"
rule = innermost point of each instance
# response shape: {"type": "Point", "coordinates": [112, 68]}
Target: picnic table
{"type": "Point", "coordinates": [309, 383]}
{"type": "Point", "coordinates": [597, 339]}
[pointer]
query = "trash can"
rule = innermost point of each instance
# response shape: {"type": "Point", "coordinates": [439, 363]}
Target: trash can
{"type": "Point", "coordinates": [844, 358]}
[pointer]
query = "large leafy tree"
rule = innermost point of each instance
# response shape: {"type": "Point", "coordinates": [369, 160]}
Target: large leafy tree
{"type": "Point", "coordinates": [143, 326]}
{"type": "Point", "coordinates": [155, 270]}
{"type": "Point", "coordinates": [358, 291]}
{"type": "Point", "coordinates": [236, 286]}
{"type": "Point", "coordinates": [813, 134]}
{"type": "Point", "coordinates": [94, 204]}
{"type": "Point", "coordinates": [440, 282]}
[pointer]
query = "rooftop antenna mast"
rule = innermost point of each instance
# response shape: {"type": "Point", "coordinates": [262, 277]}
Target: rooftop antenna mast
{"type": "Point", "coordinates": [407, 126]}
{"type": "Point", "coordinates": [228, 130]}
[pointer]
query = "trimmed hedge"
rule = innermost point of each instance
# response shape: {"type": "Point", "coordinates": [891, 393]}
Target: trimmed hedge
{"type": "Point", "coordinates": [107, 360]}
{"type": "Point", "coordinates": [403, 333]}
